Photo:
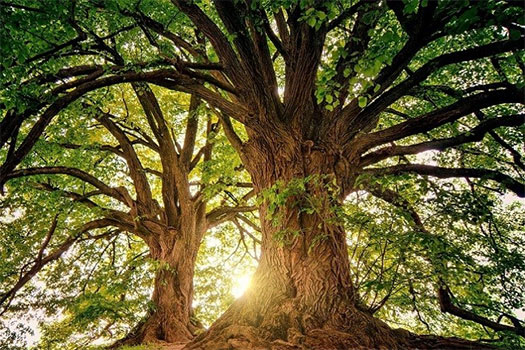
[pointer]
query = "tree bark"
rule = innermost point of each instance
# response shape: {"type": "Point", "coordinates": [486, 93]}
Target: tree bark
{"type": "Point", "coordinates": [171, 316]}
{"type": "Point", "coordinates": [301, 295]}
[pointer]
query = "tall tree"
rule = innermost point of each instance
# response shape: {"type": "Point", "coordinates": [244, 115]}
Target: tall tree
{"type": "Point", "coordinates": [332, 96]}
{"type": "Point", "coordinates": [172, 230]}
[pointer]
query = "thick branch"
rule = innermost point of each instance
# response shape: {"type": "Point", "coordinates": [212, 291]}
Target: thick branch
{"type": "Point", "coordinates": [446, 304]}
{"type": "Point", "coordinates": [175, 187]}
{"type": "Point", "coordinates": [118, 193]}
{"type": "Point", "coordinates": [216, 36]}
{"type": "Point", "coordinates": [222, 214]}
{"type": "Point", "coordinates": [191, 131]}
{"type": "Point", "coordinates": [474, 135]}
{"type": "Point", "coordinates": [440, 172]}
{"type": "Point", "coordinates": [135, 167]}
{"type": "Point", "coordinates": [369, 116]}
{"type": "Point", "coordinates": [440, 117]}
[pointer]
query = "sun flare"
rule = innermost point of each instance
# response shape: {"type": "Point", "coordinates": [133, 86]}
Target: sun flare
{"type": "Point", "coordinates": [240, 285]}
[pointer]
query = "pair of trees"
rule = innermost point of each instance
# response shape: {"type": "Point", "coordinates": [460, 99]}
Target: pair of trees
{"type": "Point", "coordinates": [321, 100]}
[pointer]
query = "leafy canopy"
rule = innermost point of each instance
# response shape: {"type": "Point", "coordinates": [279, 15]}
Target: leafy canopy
{"type": "Point", "coordinates": [436, 86]}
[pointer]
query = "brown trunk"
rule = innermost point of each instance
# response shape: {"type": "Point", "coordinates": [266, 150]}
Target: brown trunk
{"type": "Point", "coordinates": [170, 318]}
{"type": "Point", "coordinates": [301, 295]}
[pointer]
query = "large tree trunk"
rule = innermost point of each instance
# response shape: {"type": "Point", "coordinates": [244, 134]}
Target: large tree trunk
{"type": "Point", "coordinates": [301, 295]}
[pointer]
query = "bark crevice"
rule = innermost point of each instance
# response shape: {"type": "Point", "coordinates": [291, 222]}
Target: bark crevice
{"type": "Point", "coordinates": [301, 296]}
{"type": "Point", "coordinates": [170, 318]}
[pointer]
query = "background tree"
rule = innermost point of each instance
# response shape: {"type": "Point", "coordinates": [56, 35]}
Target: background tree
{"type": "Point", "coordinates": [143, 162]}
{"type": "Point", "coordinates": [333, 97]}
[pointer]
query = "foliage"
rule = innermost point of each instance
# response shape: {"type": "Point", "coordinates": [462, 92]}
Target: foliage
{"type": "Point", "coordinates": [479, 254]}
{"type": "Point", "coordinates": [446, 76]}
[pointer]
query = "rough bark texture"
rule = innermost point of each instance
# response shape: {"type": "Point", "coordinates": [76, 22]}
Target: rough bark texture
{"type": "Point", "coordinates": [301, 296]}
{"type": "Point", "coordinates": [170, 319]}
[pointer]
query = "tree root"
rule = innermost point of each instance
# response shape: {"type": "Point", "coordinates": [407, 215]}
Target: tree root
{"type": "Point", "coordinates": [153, 330]}
{"type": "Point", "coordinates": [250, 338]}
{"type": "Point", "coordinates": [348, 330]}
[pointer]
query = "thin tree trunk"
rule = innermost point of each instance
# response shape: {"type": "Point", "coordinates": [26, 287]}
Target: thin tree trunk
{"type": "Point", "coordinates": [170, 318]}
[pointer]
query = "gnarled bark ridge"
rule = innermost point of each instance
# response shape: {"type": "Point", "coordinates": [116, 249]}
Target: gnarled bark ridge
{"type": "Point", "coordinates": [301, 295]}
{"type": "Point", "coordinates": [170, 318]}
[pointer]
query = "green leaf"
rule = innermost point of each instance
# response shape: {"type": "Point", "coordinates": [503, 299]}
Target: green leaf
{"type": "Point", "coordinates": [362, 101]}
{"type": "Point", "coordinates": [311, 21]}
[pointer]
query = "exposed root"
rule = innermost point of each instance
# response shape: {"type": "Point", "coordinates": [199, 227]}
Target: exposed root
{"type": "Point", "coordinates": [251, 338]}
{"type": "Point", "coordinates": [287, 329]}
{"type": "Point", "coordinates": [431, 342]}
{"type": "Point", "coordinates": [155, 329]}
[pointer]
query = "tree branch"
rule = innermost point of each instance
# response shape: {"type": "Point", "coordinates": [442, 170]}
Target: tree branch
{"type": "Point", "coordinates": [440, 117]}
{"type": "Point", "coordinates": [444, 295]}
{"type": "Point", "coordinates": [191, 131]}
{"type": "Point", "coordinates": [119, 194]}
{"type": "Point", "coordinates": [217, 39]}
{"type": "Point", "coordinates": [447, 306]}
{"type": "Point", "coordinates": [440, 172]}
{"type": "Point", "coordinates": [41, 261]}
{"type": "Point", "coordinates": [367, 118]}
{"type": "Point", "coordinates": [222, 214]}
{"type": "Point", "coordinates": [344, 15]}
{"type": "Point", "coordinates": [474, 135]}
{"type": "Point", "coordinates": [135, 167]}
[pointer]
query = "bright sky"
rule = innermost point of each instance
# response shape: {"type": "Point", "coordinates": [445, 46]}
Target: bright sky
{"type": "Point", "coordinates": [240, 284]}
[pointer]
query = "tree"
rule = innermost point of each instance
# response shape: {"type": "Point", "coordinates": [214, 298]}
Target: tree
{"type": "Point", "coordinates": [172, 231]}
{"type": "Point", "coordinates": [334, 97]}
